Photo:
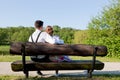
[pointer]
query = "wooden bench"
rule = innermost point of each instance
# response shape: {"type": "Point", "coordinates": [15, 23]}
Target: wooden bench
{"type": "Point", "coordinates": [32, 49]}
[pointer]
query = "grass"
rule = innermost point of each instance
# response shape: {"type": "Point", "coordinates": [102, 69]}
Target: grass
{"type": "Point", "coordinates": [4, 50]}
{"type": "Point", "coordinates": [95, 77]}
{"type": "Point", "coordinates": [11, 58]}
{"type": "Point", "coordinates": [103, 59]}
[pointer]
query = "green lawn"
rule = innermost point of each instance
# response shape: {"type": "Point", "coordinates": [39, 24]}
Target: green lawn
{"type": "Point", "coordinates": [4, 50]}
{"type": "Point", "coordinates": [10, 58]}
{"type": "Point", "coordinates": [95, 77]}
{"type": "Point", "coordinates": [103, 59]}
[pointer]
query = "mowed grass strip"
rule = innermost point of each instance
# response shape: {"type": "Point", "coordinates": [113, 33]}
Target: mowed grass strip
{"type": "Point", "coordinates": [95, 77]}
{"type": "Point", "coordinates": [4, 49]}
{"type": "Point", "coordinates": [11, 58]}
{"type": "Point", "coordinates": [103, 59]}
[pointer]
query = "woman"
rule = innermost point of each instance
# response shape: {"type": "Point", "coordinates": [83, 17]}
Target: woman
{"type": "Point", "coordinates": [61, 58]}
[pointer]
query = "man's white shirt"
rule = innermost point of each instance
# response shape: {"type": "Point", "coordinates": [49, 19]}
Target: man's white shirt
{"type": "Point", "coordinates": [44, 37]}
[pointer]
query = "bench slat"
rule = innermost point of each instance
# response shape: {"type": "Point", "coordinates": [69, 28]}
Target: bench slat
{"type": "Point", "coordinates": [74, 65]}
{"type": "Point", "coordinates": [49, 49]}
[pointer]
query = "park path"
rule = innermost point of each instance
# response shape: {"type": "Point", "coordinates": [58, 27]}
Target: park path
{"type": "Point", "coordinates": [110, 68]}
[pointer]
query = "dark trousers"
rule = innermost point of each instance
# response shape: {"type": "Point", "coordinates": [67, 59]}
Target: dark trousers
{"type": "Point", "coordinates": [45, 59]}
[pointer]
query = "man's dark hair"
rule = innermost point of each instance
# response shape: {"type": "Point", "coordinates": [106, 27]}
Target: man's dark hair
{"type": "Point", "coordinates": [38, 23]}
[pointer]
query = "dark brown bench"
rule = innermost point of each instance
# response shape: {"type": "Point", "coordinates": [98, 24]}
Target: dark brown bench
{"type": "Point", "coordinates": [30, 49]}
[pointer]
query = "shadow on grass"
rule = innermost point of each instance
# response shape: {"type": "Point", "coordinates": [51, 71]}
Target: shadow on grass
{"type": "Point", "coordinates": [95, 77]}
{"type": "Point", "coordinates": [103, 75]}
{"type": "Point", "coordinates": [75, 77]}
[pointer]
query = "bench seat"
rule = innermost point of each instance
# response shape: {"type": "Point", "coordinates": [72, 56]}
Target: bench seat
{"type": "Point", "coordinates": [74, 65]}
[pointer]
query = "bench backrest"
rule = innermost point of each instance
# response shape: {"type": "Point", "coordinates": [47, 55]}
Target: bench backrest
{"type": "Point", "coordinates": [31, 49]}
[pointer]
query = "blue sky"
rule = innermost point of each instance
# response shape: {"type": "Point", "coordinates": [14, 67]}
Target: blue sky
{"type": "Point", "coordinates": [65, 13]}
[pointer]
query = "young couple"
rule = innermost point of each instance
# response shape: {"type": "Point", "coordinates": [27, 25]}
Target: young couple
{"type": "Point", "coordinates": [46, 37]}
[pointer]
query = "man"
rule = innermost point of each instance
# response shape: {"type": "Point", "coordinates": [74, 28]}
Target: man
{"type": "Point", "coordinates": [39, 36]}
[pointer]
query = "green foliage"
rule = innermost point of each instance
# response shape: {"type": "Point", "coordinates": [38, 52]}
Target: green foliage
{"type": "Point", "coordinates": [67, 34]}
{"type": "Point", "coordinates": [15, 34]}
{"type": "Point", "coordinates": [21, 34]}
{"type": "Point", "coordinates": [3, 36]}
{"type": "Point", "coordinates": [105, 29]}
{"type": "Point", "coordinates": [80, 36]}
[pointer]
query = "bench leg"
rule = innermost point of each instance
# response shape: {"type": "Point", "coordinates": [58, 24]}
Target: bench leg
{"type": "Point", "coordinates": [39, 72]}
{"type": "Point", "coordinates": [56, 72]}
{"type": "Point", "coordinates": [26, 74]}
{"type": "Point", "coordinates": [89, 73]}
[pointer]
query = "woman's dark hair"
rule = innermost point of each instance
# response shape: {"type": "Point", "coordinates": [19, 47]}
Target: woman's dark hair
{"type": "Point", "coordinates": [38, 23]}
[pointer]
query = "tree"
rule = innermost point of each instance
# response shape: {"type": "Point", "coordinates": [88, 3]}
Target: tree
{"type": "Point", "coordinates": [105, 29]}
{"type": "Point", "coordinates": [3, 36]}
{"type": "Point", "coordinates": [67, 34]}
{"type": "Point", "coordinates": [80, 36]}
{"type": "Point", "coordinates": [56, 29]}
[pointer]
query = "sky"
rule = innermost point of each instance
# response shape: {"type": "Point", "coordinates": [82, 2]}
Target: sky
{"type": "Point", "coordinates": [64, 13]}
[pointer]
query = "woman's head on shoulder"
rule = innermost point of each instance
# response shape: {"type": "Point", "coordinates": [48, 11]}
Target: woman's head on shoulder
{"type": "Point", "coordinates": [49, 30]}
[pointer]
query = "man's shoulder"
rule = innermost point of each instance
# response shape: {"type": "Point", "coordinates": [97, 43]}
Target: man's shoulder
{"type": "Point", "coordinates": [43, 33]}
